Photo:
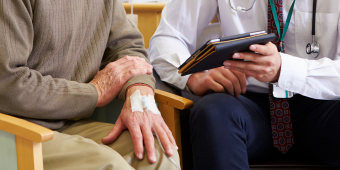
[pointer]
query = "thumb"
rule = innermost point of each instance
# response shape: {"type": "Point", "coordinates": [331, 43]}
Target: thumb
{"type": "Point", "coordinates": [114, 133]}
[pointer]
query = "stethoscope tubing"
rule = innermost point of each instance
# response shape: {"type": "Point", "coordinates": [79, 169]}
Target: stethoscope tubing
{"type": "Point", "coordinates": [314, 13]}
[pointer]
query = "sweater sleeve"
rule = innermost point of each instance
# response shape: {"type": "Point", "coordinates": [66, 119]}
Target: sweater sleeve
{"type": "Point", "coordinates": [125, 39]}
{"type": "Point", "coordinates": [25, 92]}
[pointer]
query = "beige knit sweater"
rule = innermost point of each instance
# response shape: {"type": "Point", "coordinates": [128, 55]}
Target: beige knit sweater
{"type": "Point", "coordinates": [51, 49]}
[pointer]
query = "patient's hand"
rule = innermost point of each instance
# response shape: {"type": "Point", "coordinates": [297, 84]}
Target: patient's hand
{"type": "Point", "coordinates": [114, 76]}
{"type": "Point", "coordinates": [140, 129]}
{"type": "Point", "coordinates": [218, 80]}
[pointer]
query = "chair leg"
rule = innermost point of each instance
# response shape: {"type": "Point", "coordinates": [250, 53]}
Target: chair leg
{"type": "Point", "coordinates": [29, 154]}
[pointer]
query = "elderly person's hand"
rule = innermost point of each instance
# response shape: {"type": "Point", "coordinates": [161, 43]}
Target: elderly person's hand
{"type": "Point", "coordinates": [115, 75]}
{"type": "Point", "coordinates": [140, 128]}
{"type": "Point", "coordinates": [109, 83]}
{"type": "Point", "coordinates": [264, 65]}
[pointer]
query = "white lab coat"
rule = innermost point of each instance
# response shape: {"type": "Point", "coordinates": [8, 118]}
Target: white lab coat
{"type": "Point", "coordinates": [184, 20]}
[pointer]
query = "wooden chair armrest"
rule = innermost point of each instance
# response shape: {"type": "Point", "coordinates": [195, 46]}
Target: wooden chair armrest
{"type": "Point", "coordinates": [144, 7]}
{"type": "Point", "coordinates": [25, 129]}
{"type": "Point", "coordinates": [172, 100]}
{"type": "Point", "coordinates": [169, 105]}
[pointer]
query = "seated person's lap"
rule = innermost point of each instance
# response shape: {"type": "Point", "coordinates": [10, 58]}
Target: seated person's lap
{"type": "Point", "coordinates": [242, 125]}
{"type": "Point", "coordinates": [83, 138]}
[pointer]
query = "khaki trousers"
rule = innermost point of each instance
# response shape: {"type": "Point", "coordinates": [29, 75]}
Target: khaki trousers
{"type": "Point", "coordinates": [78, 146]}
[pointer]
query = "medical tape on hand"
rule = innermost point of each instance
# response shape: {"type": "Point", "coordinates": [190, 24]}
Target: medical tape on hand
{"type": "Point", "coordinates": [137, 103]}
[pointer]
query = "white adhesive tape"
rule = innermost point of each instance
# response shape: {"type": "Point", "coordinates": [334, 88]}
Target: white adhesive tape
{"type": "Point", "coordinates": [137, 103]}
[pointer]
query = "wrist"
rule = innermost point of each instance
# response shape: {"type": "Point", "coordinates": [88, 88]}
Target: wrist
{"type": "Point", "coordinates": [188, 85]}
{"type": "Point", "coordinates": [193, 83]}
{"type": "Point", "coordinates": [139, 86]}
{"type": "Point", "coordinates": [277, 76]}
{"type": "Point", "coordinates": [99, 93]}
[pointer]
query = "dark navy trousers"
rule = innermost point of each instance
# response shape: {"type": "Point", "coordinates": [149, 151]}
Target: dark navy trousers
{"type": "Point", "coordinates": [229, 133]}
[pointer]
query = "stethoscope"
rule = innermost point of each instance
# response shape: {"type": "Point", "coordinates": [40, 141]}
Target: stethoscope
{"type": "Point", "coordinates": [311, 48]}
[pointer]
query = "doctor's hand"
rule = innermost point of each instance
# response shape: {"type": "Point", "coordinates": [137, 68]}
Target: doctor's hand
{"type": "Point", "coordinates": [140, 129]}
{"type": "Point", "coordinates": [265, 65]}
{"type": "Point", "coordinates": [218, 80]}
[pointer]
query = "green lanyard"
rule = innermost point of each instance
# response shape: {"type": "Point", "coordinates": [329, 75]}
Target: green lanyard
{"type": "Point", "coordinates": [277, 23]}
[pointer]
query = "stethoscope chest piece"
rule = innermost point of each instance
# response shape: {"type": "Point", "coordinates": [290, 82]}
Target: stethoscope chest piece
{"type": "Point", "coordinates": [313, 48]}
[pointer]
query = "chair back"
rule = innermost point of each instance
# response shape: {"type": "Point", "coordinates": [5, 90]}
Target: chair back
{"type": "Point", "coordinates": [8, 155]}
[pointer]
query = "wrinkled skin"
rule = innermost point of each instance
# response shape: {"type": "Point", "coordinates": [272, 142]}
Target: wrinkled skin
{"type": "Point", "coordinates": [140, 128]}
{"type": "Point", "coordinates": [115, 75]}
{"type": "Point", "coordinates": [109, 83]}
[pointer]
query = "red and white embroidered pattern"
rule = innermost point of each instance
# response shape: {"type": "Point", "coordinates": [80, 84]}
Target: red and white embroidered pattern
{"type": "Point", "coordinates": [280, 117]}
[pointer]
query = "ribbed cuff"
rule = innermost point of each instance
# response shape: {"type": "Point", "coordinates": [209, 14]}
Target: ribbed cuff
{"type": "Point", "coordinates": [144, 79]}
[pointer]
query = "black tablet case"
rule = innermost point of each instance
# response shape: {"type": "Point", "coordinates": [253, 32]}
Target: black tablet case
{"type": "Point", "coordinates": [213, 55]}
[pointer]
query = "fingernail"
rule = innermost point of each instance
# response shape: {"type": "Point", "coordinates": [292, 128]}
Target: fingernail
{"type": "Point", "coordinates": [140, 156]}
{"type": "Point", "coordinates": [153, 158]}
{"type": "Point", "coordinates": [170, 151]}
{"type": "Point", "coordinates": [226, 67]}
{"type": "Point", "coordinates": [227, 64]}
{"type": "Point", "coordinates": [253, 47]}
{"type": "Point", "coordinates": [236, 55]}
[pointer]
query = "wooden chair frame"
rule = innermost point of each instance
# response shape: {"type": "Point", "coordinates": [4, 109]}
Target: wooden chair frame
{"type": "Point", "coordinates": [170, 105]}
{"type": "Point", "coordinates": [29, 136]}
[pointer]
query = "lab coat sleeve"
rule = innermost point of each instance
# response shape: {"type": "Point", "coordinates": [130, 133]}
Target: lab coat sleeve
{"type": "Point", "coordinates": [318, 79]}
{"type": "Point", "coordinates": [176, 37]}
